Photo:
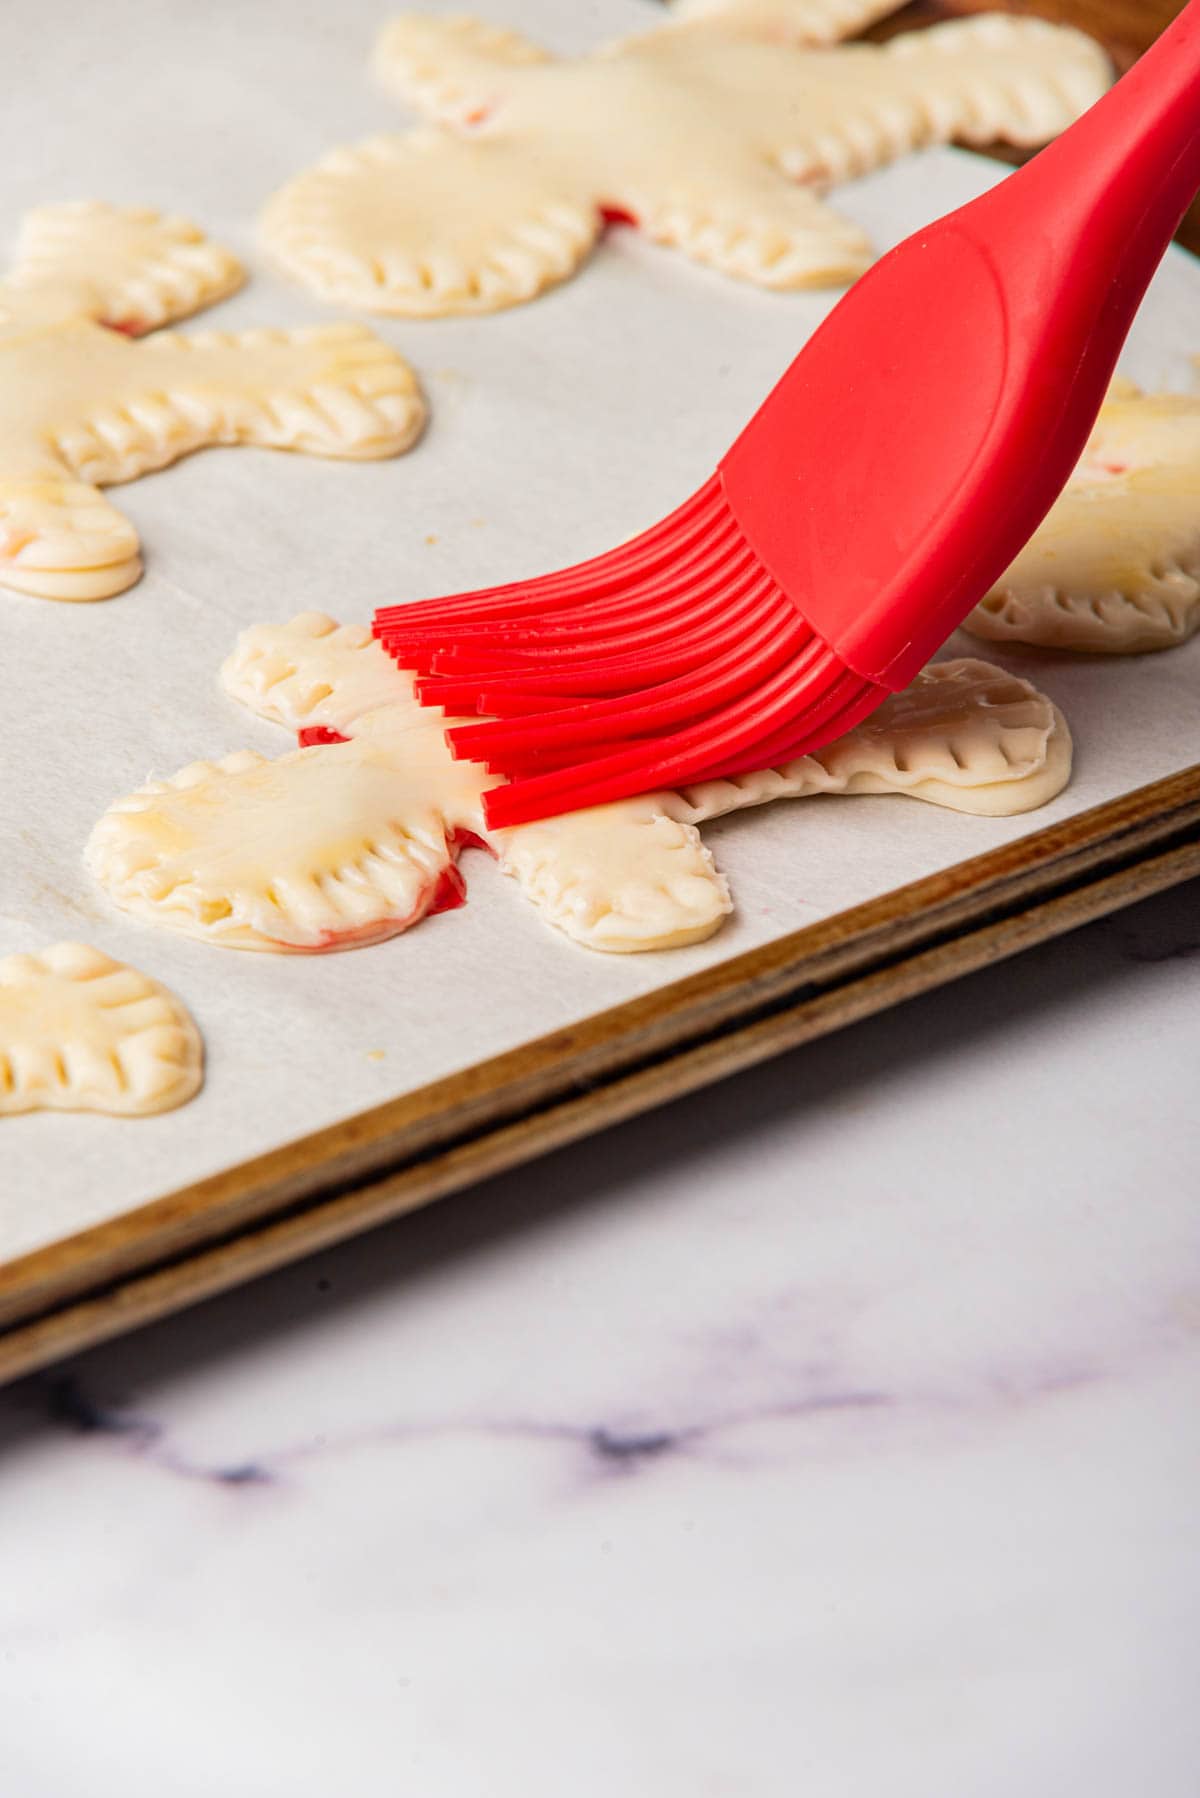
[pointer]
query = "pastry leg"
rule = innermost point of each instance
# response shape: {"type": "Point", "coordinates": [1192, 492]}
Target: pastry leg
{"type": "Point", "coordinates": [757, 226]}
{"type": "Point", "coordinates": [621, 878]}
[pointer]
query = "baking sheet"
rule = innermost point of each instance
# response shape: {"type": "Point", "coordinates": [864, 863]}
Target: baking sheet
{"type": "Point", "coordinates": [558, 430]}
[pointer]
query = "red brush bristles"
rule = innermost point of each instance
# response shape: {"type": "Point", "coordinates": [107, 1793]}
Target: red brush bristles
{"type": "Point", "coordinates": [673, 659]}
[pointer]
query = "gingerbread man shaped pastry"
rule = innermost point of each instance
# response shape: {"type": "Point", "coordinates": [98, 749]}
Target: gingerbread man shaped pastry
{"type": "Point", "coordinates": [82, 404]}
{"type": "Point", "coordinates": [356, 835]}
{"type": "Point", "coordinates": [715, 133]}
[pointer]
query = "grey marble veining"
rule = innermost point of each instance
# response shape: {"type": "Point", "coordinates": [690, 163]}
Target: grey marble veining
{"type": "Point", "coordinates": [833, 1431]}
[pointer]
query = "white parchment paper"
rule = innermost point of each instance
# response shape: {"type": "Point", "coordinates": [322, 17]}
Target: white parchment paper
{"type": "Point", "coordinates": [558, 430]}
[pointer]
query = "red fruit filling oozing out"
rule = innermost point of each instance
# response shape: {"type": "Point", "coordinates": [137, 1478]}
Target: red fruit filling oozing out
{"type": "Point", "coordinates": [449, 893]}
{"type": "Point", "coordinates": [128, 327]}
{"type": "Point", "coordinates": [450, 889]}
{"type": "Point", "coordinates": [467, 839]}
{"type": "Point", "coordinates": [618, 215]}
{"type": "Point", "coordinates": [314, 734]}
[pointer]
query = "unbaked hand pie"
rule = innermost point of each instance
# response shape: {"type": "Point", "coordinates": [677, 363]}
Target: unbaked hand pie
{"type": "Point", "coordinates": [1115, 566]}
{"type": "Point", "coordinates": [356, 835]}
{"type": "Point", "coordinates": [81, 1032]}
{"type": "Point", "coordinates": [714, 133]}
{"type": "Point", "coordinates": [82, 405]}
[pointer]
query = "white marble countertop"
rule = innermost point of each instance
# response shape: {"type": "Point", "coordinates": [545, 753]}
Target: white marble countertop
{"type": "Point", "coordinates": [833, 1432]}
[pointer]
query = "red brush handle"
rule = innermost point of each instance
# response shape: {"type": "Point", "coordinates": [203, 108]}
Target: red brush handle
{"type": "Point", "coordinates": [924, 432]}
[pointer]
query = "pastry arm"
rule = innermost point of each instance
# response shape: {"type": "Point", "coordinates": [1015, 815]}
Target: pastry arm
{"type": "Point", "coordinates": [450, 69]}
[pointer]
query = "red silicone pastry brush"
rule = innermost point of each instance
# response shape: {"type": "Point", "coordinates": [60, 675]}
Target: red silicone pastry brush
{"type": "Point", "coordinates": [909, 452]}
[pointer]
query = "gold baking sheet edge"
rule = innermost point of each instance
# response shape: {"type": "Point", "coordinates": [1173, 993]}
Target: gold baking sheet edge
{"type": "Point", "coordinates": [321, 1188]}
{"type": "Point", "coordinates": [317, 1190]}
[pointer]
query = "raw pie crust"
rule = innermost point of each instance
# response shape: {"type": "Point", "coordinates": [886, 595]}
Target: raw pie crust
{"type": "Point", "coordinates": [81, 1032]}
{"type": "Point", "coordinates": [348, 841]}
{"type": "Point", "coordinates": [83, 406]}
{"type": "Point", "coordinates": [714, 133]}
{"type": "Point", "coordinates": [1115, 566]}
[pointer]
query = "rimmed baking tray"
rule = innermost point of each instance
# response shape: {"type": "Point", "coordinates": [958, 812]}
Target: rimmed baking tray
{"type": "Point", "coordinates": [347, 1089]}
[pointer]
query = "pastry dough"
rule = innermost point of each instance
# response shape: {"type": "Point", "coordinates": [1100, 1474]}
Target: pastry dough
{"type": "Point", "coordinates": [356, 837]}
{"type": "Point", "coordinates": [83, 406]}
{"type": "Point", "coordinates": [81, 1032]}
{"type": "Point", "coordinates": [965, 735]}
{"type": "Point", "coordinates": [714, 132]}
{"type": "Point", "coordinates": [339, 842]}
{"type": "Point", "coordinates": [807, 22]}
{"type": "Point", "coordinates": [1115, 566]}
